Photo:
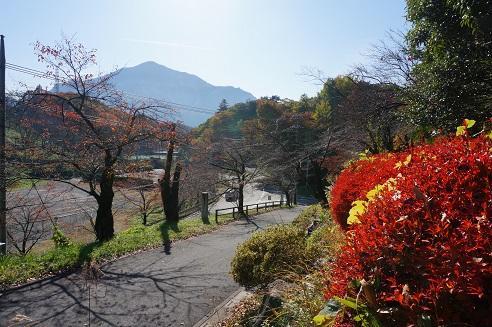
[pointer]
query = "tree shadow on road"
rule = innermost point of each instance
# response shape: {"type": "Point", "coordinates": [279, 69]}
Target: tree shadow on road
{"type": "Point", "coordinates": [165, 229]}
{"type": "Point", "coordinates": [251, 221]}
{"type": "Point", "coordinates": [174, 294]}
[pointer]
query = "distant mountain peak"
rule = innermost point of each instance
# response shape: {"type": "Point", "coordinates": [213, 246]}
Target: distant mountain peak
{"type": "Point", "coordinates": [153, 80]}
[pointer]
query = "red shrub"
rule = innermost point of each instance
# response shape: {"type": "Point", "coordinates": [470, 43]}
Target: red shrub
{"type": "Point", "coordinates": [426, 245]}
{"type": "Point", "coordinates": [356, 180]}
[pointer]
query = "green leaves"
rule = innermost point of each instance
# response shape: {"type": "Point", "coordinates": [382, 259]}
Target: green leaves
{"type": "Point", "coordinates": [364, 316]}
{"type": "Point", "coordinates": [453, 47]}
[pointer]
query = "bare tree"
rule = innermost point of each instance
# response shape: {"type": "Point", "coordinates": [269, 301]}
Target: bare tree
{"type": "Point", "coordinates": [29, 218]}
{"type": "Point", "coordinates": [143, 194]}
{"type": "Point", "coordinates": [87, 129]}
{"type": "Point", "coordinates": [235, 159]}
{"type": "Point", "coordinates": [391, 63]}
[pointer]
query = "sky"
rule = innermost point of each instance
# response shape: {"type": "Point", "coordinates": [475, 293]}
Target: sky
{"type": "Point", "coordinates": [261, 46]}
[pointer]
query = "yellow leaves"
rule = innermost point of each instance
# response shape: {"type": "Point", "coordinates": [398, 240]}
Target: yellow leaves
{"type": "Point", "coordinates": [363, 155]}
{"type": "Point", "coordinates": [467, 123]}
{"type": "Point", "coordinates": [320, 320]}
{"type": "Point", "coordinates": [407, 160]}
{"type": "Point", "coordinates": [358, 208]}
{"type": "Point", "coordinates": [400, 164]}
{"type": "Point", "coordinates": [460, 130]}
{"type": "Point", "coordinates": [489, 135]}
{"type": "Point", "coordinates": [391, 184]}
{"type": "Point", "coordinates": [374, 192]}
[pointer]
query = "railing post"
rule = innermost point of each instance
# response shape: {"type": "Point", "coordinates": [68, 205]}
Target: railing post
{"type": "Point", "coordinates": [216, 216]}
{"type": "Point", "coordinates": [233, 213]}
{"type": "Point", "coordinates": [247, 210]}
{"type": "Point", "coordinates": [257, 208]}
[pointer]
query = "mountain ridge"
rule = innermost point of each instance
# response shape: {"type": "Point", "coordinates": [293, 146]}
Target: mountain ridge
{"type": "Point", "coordinates": [153, 80]}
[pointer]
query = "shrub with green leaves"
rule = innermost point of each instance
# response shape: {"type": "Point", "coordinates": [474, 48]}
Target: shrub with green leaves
{"type": "Point", "coordinates": [268, 254]}
{"type": "Point", "coordinates": [325, 241]}
{"type": "Point", "coordinates": [310, 214]}
{"type": "Point", "coordinates": [59, 238]}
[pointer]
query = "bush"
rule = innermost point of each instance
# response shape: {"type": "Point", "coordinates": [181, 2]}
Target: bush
{"type": "Point", "coordinates": [268, 253]}
{"type": "Point", "coordinates": [310, 214]}
{"type": "Point", "coordinates": [356, 180]}
{"type": "Point", "coordinates": [425, 243]}
{"type": "Point", "coordinates": [325, 242]}
{"type": "Point", "coordinates": [59, 238]}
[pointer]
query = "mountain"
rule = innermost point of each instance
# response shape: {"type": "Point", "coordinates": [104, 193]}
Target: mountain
{"type": "Point", "coordinates": [150, 79]}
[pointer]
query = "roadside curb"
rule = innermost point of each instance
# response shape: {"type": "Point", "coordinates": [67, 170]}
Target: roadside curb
{"type": "Point", "coordinates": [220, 312]}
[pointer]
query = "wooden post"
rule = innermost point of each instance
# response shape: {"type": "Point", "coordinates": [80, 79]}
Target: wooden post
{"type": "Point", "coordinates": [233, 212]}
{"type": "Point", "coordinates": [217, 216]}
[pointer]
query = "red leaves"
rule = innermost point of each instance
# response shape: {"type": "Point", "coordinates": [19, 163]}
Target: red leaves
{"type": "Point", "coordinates": [431, 233]}
{"type": "Point", "coordinates": [356, 180]}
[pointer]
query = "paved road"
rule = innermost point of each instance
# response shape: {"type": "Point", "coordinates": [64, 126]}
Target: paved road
{"type": "Point", "coordinates": [146, 289]}
{"type": "Point", "coordinates": [72, 207]}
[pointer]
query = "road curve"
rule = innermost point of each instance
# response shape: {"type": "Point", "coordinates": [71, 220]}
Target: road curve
{"type": "Point", "coordinates": [145, 289]}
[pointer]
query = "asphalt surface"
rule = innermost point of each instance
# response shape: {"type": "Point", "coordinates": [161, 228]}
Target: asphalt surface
{"type": "Point", "coordinates": [72, 208]}
{"type": "Point", "coordinates": [145, 289]}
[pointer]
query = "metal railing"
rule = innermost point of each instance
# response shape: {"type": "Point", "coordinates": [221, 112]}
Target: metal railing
{"type": "Point", "coordinates": [246, 208]}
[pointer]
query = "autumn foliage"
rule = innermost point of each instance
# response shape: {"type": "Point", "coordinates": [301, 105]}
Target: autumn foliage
{"type": "Point", "coordinates": [356, 180]}
{"type": "Point", "coordinates": [423, 244]}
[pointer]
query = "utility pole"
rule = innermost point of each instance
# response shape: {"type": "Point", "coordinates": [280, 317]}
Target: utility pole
{"type": "Point", "coordinates": [3, 191]}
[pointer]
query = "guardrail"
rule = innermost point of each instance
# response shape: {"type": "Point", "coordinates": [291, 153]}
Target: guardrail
{"type": "Point", "coordinates": [258, 206]}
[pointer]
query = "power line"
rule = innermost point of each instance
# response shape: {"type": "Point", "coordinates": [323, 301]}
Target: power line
{"type": "Point", "coordinates": [40, 74]}
{"type": "Point", "coordinates": [29, 72]}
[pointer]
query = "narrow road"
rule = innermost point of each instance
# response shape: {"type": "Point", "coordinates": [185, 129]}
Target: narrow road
{"type": "Point", "coordinates": [145, 289]}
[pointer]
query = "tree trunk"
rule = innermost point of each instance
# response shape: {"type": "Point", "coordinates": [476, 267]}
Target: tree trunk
{"type": "Point", "coordinates": [170, 188]}
{"type": "Point", "coordinates": [287, 198]}
{"type": "Point", "coordinates": [104, 218]}
{"type": "Point", "coordinates": [240, 199]}
{"type": "Point", "coordinates": [171, 208]}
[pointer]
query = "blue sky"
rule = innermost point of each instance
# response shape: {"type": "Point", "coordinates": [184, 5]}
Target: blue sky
{"type": "Point", "coordinates": [261, 46]}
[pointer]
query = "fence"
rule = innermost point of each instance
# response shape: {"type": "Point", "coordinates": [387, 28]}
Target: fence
{"type": "Point", "coordinates": [262, 205]}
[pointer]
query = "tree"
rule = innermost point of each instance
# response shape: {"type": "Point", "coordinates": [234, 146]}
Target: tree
{"type": "Point", "coordinates": [284, 178]}
{"type": "Point", "coordinates": [142, 193]}
{"type": "Point", "coordinates": [452, 44]}
{"type": "Point", "coordinates": [293, 143]}
{"type": "Point", "coordinates": [223, 106]}
{"type": "Point", "coordinates": [28, 216]}
{"type": "Point", "coordinates": [169, 186]}
{"type": "Point", "coordinates": [235, 161]}
{"type": "Point", "coordinates": [87, 129]}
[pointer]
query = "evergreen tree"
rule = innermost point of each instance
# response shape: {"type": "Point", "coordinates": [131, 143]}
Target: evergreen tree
{"type": "Point", "coordinates": [452, 43]}
{"type": "Point", "coordinates": [223, 106]}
